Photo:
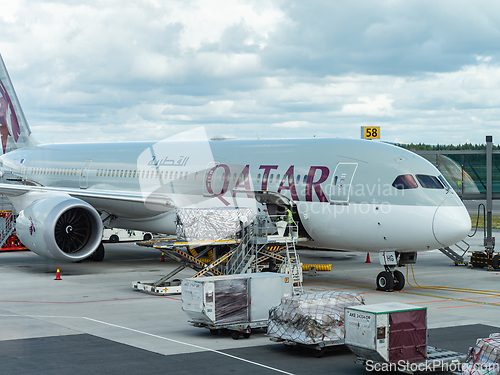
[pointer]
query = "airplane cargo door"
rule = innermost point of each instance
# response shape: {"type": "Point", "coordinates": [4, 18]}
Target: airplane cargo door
{"type": "Point", "coordinates": [340, 187]}
{"type": "Point", "coordinates": [84, 174]}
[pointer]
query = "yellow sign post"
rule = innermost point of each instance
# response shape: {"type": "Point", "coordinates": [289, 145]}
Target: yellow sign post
{"type": "Point", "coordinates": [370, 132]}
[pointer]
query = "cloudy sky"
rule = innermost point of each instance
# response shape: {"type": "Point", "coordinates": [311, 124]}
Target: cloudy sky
{"type": "Point", "coordinates": [115, 70]}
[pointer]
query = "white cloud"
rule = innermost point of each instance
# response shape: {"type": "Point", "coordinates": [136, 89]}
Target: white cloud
{"type": "Point", "coordinates": [205, 21]}
{"type": "Point", "coordinates": [381, 105]}
{"type": "Point", "coordinates": [425, 73]}
{"type": "Point", "coordinates": [291, 124]}
{"type": "Point", "coordinates": [483, 58]}
{"type": "Point", "coordinates": [9, 10]}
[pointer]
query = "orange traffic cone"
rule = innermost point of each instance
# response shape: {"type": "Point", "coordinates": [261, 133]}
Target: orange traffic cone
{"type": "Point", "coordinates": [162, 257]}
{"type": "Point", "coordinates": [58, 274]}
{"type": "Point", "coordinates": [368, 258]}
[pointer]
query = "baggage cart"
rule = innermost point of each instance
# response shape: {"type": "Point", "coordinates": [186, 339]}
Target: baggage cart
{"type": "Point", "coordinates": [318, 348]}
{"type": "Point", "coordinates": [314, 321]}
{"type": "Point", "coordinates": [238, 303]}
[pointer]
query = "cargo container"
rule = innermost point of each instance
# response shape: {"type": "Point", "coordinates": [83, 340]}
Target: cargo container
{"type": "Point", "coordinates": [238, 303]}
{"type": "Point", "coordinates": [393, 337]}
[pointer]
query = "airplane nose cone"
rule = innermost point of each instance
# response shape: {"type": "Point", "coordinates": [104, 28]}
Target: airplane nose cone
{"type": "Point", "coordinates": [451, 222]}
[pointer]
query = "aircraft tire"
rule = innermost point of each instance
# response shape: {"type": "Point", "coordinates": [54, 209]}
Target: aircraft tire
{"type": "Point", "coordinates": [385, 281]}
{"type": "Point", "coordinates": [399, 280]}
{"type": "Point", "coordinates": [319, 353]}
{"type": "Point", "coordinates": [495, 262]}
{"type": "Point", "coordinates": [98, 255]}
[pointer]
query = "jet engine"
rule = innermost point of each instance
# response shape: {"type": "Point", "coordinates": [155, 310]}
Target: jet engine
{"type": "Point", "coordinates": [60, 227]}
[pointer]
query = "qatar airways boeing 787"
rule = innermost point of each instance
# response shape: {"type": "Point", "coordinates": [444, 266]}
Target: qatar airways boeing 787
{"type": "Point", "coordinates": [352, 195]}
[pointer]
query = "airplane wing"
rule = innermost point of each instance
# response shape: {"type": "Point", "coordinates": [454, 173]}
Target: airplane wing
{"type": "Point", "coordinates": [15, 190]}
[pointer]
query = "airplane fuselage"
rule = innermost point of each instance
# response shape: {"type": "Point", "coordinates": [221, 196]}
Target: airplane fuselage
{"type": "Point", "coordinates": [346, 191]}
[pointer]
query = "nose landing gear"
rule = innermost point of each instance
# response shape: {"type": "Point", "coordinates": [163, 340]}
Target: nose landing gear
{"type": "Point", "coordinates": [392, 279]}
{"type": "Point", "coordinates": [389, 281]}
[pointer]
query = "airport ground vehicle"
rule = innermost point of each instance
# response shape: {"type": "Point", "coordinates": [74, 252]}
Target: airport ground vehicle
{"type": "Point", "coordinates": [119, 235]}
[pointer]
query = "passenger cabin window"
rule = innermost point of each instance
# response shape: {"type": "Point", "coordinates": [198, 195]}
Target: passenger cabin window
{"type": "Point", "coordinates": [405, 181]}
{"type": "Point", "coordinates": [429, 182]}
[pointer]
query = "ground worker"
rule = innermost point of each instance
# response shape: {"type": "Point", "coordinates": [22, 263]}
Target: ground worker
{"type": "Point", "coordinates": [289, 221]}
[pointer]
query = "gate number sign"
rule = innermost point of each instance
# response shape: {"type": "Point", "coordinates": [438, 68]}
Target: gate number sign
{"type": "Point", "coordinates": [370, 132]}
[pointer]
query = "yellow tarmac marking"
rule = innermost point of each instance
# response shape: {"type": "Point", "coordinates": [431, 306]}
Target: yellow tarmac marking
{"type": "Point", "coordinates": [443, 298]}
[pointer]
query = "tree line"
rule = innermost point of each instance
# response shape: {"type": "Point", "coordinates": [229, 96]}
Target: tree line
{"type": "Point", "coordinates": [438, 147]}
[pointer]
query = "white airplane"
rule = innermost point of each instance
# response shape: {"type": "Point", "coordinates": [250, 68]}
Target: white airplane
{"type": "Point", "coordinates": [351, 195]}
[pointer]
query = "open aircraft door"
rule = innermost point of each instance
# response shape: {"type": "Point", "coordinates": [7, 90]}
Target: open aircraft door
{"type": "Point", "coordinates": [340, 187]}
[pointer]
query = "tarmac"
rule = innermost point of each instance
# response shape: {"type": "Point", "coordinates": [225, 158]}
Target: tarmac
{"type": "Point", "coordinates": [92, 321]}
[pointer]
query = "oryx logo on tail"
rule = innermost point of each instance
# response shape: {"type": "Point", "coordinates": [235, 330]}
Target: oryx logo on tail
{"type": "Point", "coordinates": [9, 125]}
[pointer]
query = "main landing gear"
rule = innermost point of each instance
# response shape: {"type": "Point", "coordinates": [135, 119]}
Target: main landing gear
{"type": "Point", "coordinates": [98, 255]}
{"type": "Point", "coordinates": [392, 279]}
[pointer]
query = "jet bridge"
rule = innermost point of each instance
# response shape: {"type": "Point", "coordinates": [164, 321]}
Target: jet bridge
{"type": "Point", "coordinates": [266, 244]}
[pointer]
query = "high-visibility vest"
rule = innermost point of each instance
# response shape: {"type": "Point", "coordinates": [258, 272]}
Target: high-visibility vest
{"type": "Point", "coordinates": [289, 216]}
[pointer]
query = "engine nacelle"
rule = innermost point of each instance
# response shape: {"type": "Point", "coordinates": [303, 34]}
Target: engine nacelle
{"type": "Point", "coordinates": [60, 227]}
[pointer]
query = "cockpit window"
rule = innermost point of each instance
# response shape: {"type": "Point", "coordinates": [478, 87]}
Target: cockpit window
{"type": "Point", "coordinates": [443, 180]}
{"type": "Point", "coordinates": [405, 181]}
{"type": "Point", "coordinates": [429, 182]}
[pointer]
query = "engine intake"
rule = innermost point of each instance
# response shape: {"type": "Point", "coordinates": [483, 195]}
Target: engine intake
{"type": "Point", "coordinates": [60, 227]}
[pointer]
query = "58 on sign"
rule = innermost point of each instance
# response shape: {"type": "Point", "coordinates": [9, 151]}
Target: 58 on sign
{"type": "Point", "coordinates": [370, 132]}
